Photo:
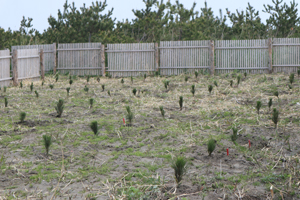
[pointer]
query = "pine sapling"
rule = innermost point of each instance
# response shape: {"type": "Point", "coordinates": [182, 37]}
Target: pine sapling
{"type": "Point", "coordinates": [193, 90]}
{"type": "Point", "coordinates": [196, 74]}
{"type": "Point", "coordinates": [134, 91]}
{"type": "Point", "coordinates": [290, 86]}
{"type": "Point", "coordinates": [129, 115]}
{"type": "Point", "coordinates": [166, 83]}
{"type": "Point", "coordinates": [47, 140]}
{"type": "Point", "coordinates": [276, 93]}
{"type": "Point", "coordinates": [4, 89]}
{"type": "Point", "coordinates": [22, 116]}
{"type": "Point", "coordinates": [162, 111]}
{"type": "Point", "coordinates": [128, 109]}
{"type": "Point", "coordinates": [180, 102]}
{"type": "Point", "coordinates": [215, 83]}
{"type": "Point", "coordinates": [98, 79]}
{"type": "Point", "coordinates": [59, 107]}
{"type": "Point", "coordinates": [108, 92]}
{"type": "Point", "coordinates": [43, 82]}
{"type": "Point", "coordinates": [122, 81]}
{"type": "Point", "coordinates": [56, 77]}
{"type": "Point", "coordinates": [51, 86]}
{"type": "Point", "coordinates": [5, 101]}
{"type": "Point", "coordinates": [21, 84]}
{"type": "Point", "coordinates": [88, 78]}
{"type": "Point", "coordinates": [275, 117]}
{"type": "Point", "coordinates": [292, 78]}
{"type": "Point", "coordinates": [298, 72]}
{"type": "Point", "coordinates": [234, 134]}
{"type": "Point", "coordinates": [68, 90]}
{"type": "Point", "coordinates": [186, 78]}
{"type": "Point", "coordinates": [36, 94]}
{"type": "Point", "coordinates": [71, 81]}
{"type": "Point", "coordinates": [238, 79]}
{"type": "Point", "coordinates": [180, 167]}
{"type": "Point", "coordinates": [86, 89]}
{"type": "Point", "coordinates": [31, 86]}
{"type": "Point", "coordinates": [91, 102]}
{"type": "Point", "coordinates": [210, 88]}
{"type": "Point", "coordinates": [95, 128]}
{"type": "Point", "coordinates": [211, 146]}
{"type": "Point", "coordinates": [258, 106]}
{"type": "Point", "coordinates": [145, 76]}
{"type": "Point", "coordinates": [131, 78]}
{"type": "Point", "coordinates": [245, 74]}
{"type": "Point", "coordinates": [231, 83]}
{"type": "Point", "coordinates": [103, 86]}
{"type": "Point", "coordinates": [270, 104]}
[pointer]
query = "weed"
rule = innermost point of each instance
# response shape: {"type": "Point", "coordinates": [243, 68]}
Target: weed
{"type": "Point", "coordinates": [210, 88]}
{"type": "Point", "coordinates": [91, 102]}
{"type": "Point", "coordinates": [47, 140]}
{"type": "Point", "coordinates": [68, 90]}
{"type": "Point", "coordinates": [292, 78]}
{"type": "Point", "coordinates": [234, 134]}
{"type": "Point", "coordinates": [196, 74]}
{"type": "Point", "coordinates": [275, 117]}
{"type": "Point", "coordinates": [31, 86]}
{"type": "Point", "coordinates": [180, 102]}
{"type": "Point", "coordinates": [59, 107]}
{"type": "Point", "coordinates": [193, 90]}
{"type": "Point", "coordinates": [215, 83]}
{"type": "Point", "coordinates": [88, 78]}
{"type": "Point", "coordinates": [86, 89]}
{"type": "Point", "coordinates": [21, 84]}
{"type": "Point", "coordinates": [22, 116]}
{"type": "Point", "coordinates": [270, 104]}
{"type": "Point", "coordinates": [186, 78]}
{"type": "Point", "coordinates": [5, 102]}
{"type": "Point", "coordinates": [36, 94]}
{"type": "Point", "coordinates": [180, 168]}
{"type": "Point", "coordinates": [231, 83]}
{"type": "Point", "coordinates": [94, 126]}
{"type": "Point", "coordinates": [134, 91]}
{"type": "Point", "coordinates": [258, 106]}
{"type": "Point", "coordinates": [162, 111]}
{"type": "Point", "coordinates": [103, 87]}
{"type": "Point", "coordinates": [211, 146]}
{"type": "Point", "coordinates": [51, 86]}
{"type": "Point", "coordinates": [71, 81]}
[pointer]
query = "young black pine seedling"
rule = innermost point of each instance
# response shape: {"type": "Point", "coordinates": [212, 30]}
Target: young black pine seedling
{"type": "Point", "coordinates": [86, 89]}
{"type": "Point", "coordinates": [88, 78]}
{"type": "Point", "coordinates": [5, 101]}
{"type": "Point", "coordinates": [162, 111]}
{"type": "Point", "coordinates": [71, 81]}
{"type": "Point", "coordinates": [290, 86]}
{"type": "Point", "coordinates": [234, 134]}
{"type": "Point", "coordinates": [186, 78]}
{"type": "Point", "coordinates": [193, 90]}
{"type": "Point", "coordinates": [128, 109]}
{"type": "Point", "coordinates": [145, 76]}
{"type": "Point", "coordinates": [103, 86]}
{"type": "Point", "coordinates": [180, 168]}
{"type": "Point", "coordinates": [131, 78]}
{"type": "Point", "coordinates": [196, 74]}
{"type": "Point", "coordinates": [276, 93]}
{"type": "Point", "coordinates": [231, 83]}
{"type": "Point", "coordinates": [245, 74]}
{"type": "Point", "coordinates": [238, 79]}
{"type": "Point", "coordinates": [270, 103]}
{"type": "Point", "coordinates": [211, 146]}
{"type": "Point", "coordinates": [51, 86]}
{"type": "Point", "coordinates": [215, 83]}
{"type": "Point", "coordinates": [56, 77]}
{"type": "Point", "coordinates": [43, 82]}
{"type": "Point", "coordinates": [98, 79]}
{"type": "Point", "coordinates": [108, 92]}
{"type": "Point", "coordinates": [258, 106]}
{"type": "Point", "coordinates": [292, 78]}
{"type": "Point", "coordinates": [36, 94]}
{"type": "Point", "coordinates": [298, 72]}
{"type": "Point", "coordinates": [180, 102]}
{"type": "Point", "coordinates": [4, 89]}
{"type": "Point", "coordinates": [275, 117]}
{"type": "Point", "coordinates": [210, 88]}
{"type": "Point", "coordinates": [59, 107]}
{"type": "Point", "coordinates": [21, 84]}
{"type": "Point", "coordinates": [31, 86]}
{"type": "Point", "coordinates": [134, 91]}
{"type": "Point", "coordinates": [91, 102]}
{"type": "Point", "coordinates": [166, 83]}
{"type": "Point", "coordinates": [122, 81]}
{"type": "Point", "coordinates": [47, 140]}
{"type": "Point", "coordinates": [22, 116]}
{"type": "Point", "coordinates": [129, 115]}
{"type": "Point", "coordinates": [68, 90]}
{"type": "Point", "coordinates": [94, 126]}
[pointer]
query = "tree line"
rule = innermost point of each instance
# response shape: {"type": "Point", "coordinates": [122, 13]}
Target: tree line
{"type": "Point", "coordinates": [157, 21]}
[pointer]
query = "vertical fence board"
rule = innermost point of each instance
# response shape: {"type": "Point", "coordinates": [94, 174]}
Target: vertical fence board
{"type": "Point", "coordinates": [4, 68]}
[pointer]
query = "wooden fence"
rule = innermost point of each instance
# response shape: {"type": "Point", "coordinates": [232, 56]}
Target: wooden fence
{"type": "Point", "coordinates": [177, 57]}
{"type": "Point", "coordinates": [49, 50]}
{"type": "Point", "coordinates": [81, 58]}
{"type": "Point", "coordinates": [132, 59]}
{"type": "Point", "coordinates": [5, 68]}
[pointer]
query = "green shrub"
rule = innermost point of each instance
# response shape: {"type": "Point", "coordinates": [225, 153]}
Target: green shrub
{"type": "Point", "coordinates": [47, 141]}
{"type": "Point", "coordinates": [162, 111]}
{"type": "Point", "coordinates": [258, 106]}
{"type": "Point", "coordinates": [71, 81]}
{"type": "Point", "coordinates": [193, 90]}
{"type": "Point", "coordinates": [91, 102]}
{"type": "Point", "coordinates": [210, 88]}
{"type": "Point", "coordinates": [180, 102]}
{"type": "Point", "coordinates": [275, 117]}
{"type": "Point", "coordinates": [86, 89]}
{"type": "Point", "coordinates": [51, 86]}
{"type": "Point", "coordinates": [128, 109]}
{"type": "Point", "coordinates": [59, 107]}
{"type": "Point", "coordinates": [22, 116]}
{"type": "Point", "coordinates": [180, 167]}
{"type": "Point", "coordinates": [134, 91]}
{"type": "Point", "coordinates": [129, 115]}
{"type": "Point", "coordinates": [211, 146]}
{"type": "Point", "coordinates": [94, 126]}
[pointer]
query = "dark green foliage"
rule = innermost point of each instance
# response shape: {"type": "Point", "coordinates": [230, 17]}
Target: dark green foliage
{"type": "Point", "coordinates": [145, 76]}
{"type": "Point", "coordinates": [70, 77]}
{"type": "Point", "coordinates": [71, 81]}
{"type": "Point", "coordinates": [215, 83]}
{"type": "Point", "coordinates": [36, 94]}
{"type": "Point", "coordinates": [31, 86]}
{"type": "Point", "coordinates": [245, 74]}
{"type": "Point", "coordinates": [51, 86]}
{"type": "Point", "coordinates": [180, 167]}
{"type": "Point", "coordinates": [238, 79]}
{"type": "Point", "coordinates": [196, 74]}
{"type": "Point", "coordinates": [91, 102]}
{"type": "Point", "coordinates": [128, 109]}
{"type": "Point", "coordinates": [180, 102]}
{"type": "Point", "coordinates": [21, 84]}
{"type": "Point", "coordinates": [134, 91]}
{"type": "Point", "coordinates": [162, 111]}
{"type": "Point", "coordinates": [186, 78]}
{"type": "Point", "coordinates": [88, 78]}
{"type": "Point", "coordinates": [231, 83]}
{"type": "Point", "coordinates": [210, 88]}
{"type": "Point", "coordinates": [56, 77]}
{"type": "Point", "coordinates": [258, 106]}
{"type": "Point", "coordinates": [270, 103]}
{"type": "Point", "coordinates": [122, 81]}
{"type": "Point", "coordinates": [234, 135]}
{"type": "Point", "coordinates": [129, 115]}
{"type": "Point", "coordinates": [68, 90]}
{"type": "Point", "coordinates": [47, 141]}
{"type": "Point", "coordinates": [298, 72]}
{"type": "Point", "coordinates": [193, 90]}
{"type": "Point", "coordinates": [43, 82]}
{"type": "Point", "coordinates": [157, 73]}
{"type": "Point", "coordinates": [290, 86]}
{"type": "Point", "coordinates": [292, 78]}
{"type": "Point", "coordinates": [5, 101]}
{"type": "Point", "coordinates": [275, 117]}
{"type": "Point", "coordinates": [166, 83]}
{"type": "Point", "coordinates": [103, 86]}
{"type": "Point", "coordinates": [22, 116]}
{"type": "Point", "coordinates": [94, 126]}
{"type": "Point", "coordinates": [4, 89]}
{"type": "Point", "coordinates": [86, 89]}
{"type": "Point", "coordinates": [108, 92]}
{"type": "Point", "coordinates": [131, 78]}
{"type": "Point", "coordinates": [276, 93]}
{"type": "Point", "coordinates": [59, 107]}
{"type": "Point", "coordinates": [211, 145]}
{"type": "Point", "coordinates": [98, 79]}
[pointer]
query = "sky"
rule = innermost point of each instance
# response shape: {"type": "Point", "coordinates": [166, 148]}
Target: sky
{"type": "Point", "coordinates": [12, 11]}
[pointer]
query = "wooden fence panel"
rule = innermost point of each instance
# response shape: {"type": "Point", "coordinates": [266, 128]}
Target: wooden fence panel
{"type": "Point", "coordinates": [28, 64]}
{"type": "Point", "coordinates": [49, 54]}
{"type": "Point", "coordinates": [177, 57]}
{"type": "Point", "coordinates": [286, 54]}
{"type": "Point", "coordinates": [242, 55]}
{"type": "Point", "coordinates": [5, 77]}
{"type": "Point", "coordinates": [80, 58]}
{"type": "Point", "coordinates": [130, 59]}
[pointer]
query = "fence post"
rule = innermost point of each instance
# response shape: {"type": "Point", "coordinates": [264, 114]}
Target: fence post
{"type": "Point", "coordinates": [54, 59]}
{"type": "Point", "coordinates": [42, 64]}
{"type": "Point", "coordinates": [156, 57]}
{"type": "Point", "coordinates": [270, 55]}
{"type": "Point", "coordinates": [103, 59]}
{"type": "Point", "coordinates": [211, 57]}
{"type": "Point", "coordinates": [15, 67]}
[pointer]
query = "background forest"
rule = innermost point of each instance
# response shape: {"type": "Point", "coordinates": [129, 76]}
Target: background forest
{"type": "Point", "coordinates": [158, 21]}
